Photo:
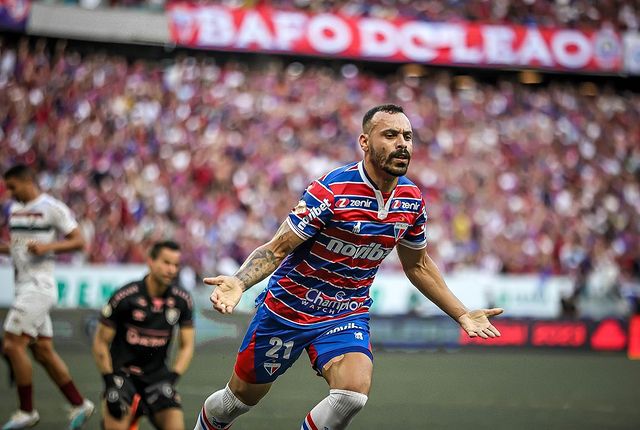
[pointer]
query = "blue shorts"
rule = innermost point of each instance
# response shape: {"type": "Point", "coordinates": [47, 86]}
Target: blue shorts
{"type": "Point", "coordinates": [270, 347]}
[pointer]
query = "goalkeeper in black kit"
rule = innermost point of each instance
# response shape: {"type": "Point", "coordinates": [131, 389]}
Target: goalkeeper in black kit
{"type": "Point", "coordinates": [132, 342]}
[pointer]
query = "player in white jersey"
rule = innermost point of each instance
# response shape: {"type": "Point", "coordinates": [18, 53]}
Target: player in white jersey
{"type": "Point", "coordinates": [35, 221]}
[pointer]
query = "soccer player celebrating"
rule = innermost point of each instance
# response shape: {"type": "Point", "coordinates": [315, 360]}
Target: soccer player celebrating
{"type": "Point", "coordinates": [132, 341]}
{"type": "Point", "coordinates": [325, 256]}
{"type": "Point", "coordinates": [35, 219]}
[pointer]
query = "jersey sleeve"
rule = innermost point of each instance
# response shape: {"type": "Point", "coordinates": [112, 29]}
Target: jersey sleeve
{"type": "Point", "coordinates": [62, 218]}
{"type": "Point", "coordinates": [416, 236]}
{"type": "Point", "coordinates": [313, 210]}
{"type": "Point", "coordinates": [113, 311]}
{"type": "Point", "coordinates": [186, 313]}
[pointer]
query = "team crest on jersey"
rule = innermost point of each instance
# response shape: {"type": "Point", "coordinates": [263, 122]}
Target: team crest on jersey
{"type": "Point", "coordinates": [172, 315]}
{"type": "Point", "coordinates": [301, 208]}
{"type": "Point", "coordinates": [399, 229]}
{"type": "Point", "coordinates": [356, 228]}
{"type": "Point", "coordinates": [271, 368]}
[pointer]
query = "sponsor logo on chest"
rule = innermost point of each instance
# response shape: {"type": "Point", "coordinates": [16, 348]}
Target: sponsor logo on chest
{"type": "Point", "coordinates": [353, 203]}
{"type": "Point", "coordinates": [405, 206]}
{"type": "Point", "coordinates": [372, 251]}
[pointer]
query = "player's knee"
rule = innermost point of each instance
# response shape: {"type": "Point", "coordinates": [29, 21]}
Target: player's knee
{"type": "Point", "coordinates": [42, 353]}
{"type": "Point", "coordinates": [222, 408]}
{"type": "Point", "coordinates": [347, 403]}
{"type": "Point", "coordinates": [10, 346]}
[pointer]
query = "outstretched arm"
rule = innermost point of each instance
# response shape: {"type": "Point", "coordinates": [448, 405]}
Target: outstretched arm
{"type": "Point", "coordinates": [426, 277]}
{"type": "Point", "coordinates": [185, 350]}
{"type": "Point", "coordinates": [72, 242]}
{"type": "Point", "coordinates": [260, 264]}
{"type": "Point", "coordinates": [101, 341]}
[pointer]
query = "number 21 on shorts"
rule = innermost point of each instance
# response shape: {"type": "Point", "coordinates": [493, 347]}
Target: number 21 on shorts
{"type": "Point", "coordinates": [277, 343]}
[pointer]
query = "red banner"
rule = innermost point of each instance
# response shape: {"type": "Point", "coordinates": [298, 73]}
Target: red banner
{"type": "Point", "coordinates": [401, 40]}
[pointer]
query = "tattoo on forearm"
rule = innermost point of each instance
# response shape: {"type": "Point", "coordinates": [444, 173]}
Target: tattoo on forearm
{"type": "Point", "coordinates": [258, 266]}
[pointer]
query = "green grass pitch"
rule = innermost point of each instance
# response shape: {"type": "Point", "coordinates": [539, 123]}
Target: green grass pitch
{"type": "Point", "coordinates": [456, 390]}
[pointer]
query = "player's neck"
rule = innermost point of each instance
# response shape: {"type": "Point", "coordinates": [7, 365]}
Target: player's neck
{"type": "Point", "coordinates": [154, 289]}
{"type": "Point", "coordinates": [31, 195]}
{"type": "Point", "coordinates": [380, 179]}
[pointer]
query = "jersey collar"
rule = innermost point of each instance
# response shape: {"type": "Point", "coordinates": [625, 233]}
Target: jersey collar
{"type": "Point", "coordinates": [383, 208]}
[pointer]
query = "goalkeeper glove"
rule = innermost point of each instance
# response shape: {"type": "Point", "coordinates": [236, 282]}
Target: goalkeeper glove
{"type": "Point", "coordinates": [115, 403]}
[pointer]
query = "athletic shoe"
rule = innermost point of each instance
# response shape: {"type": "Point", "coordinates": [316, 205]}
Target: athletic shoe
{"type": "Point", "coordinates": [78, 415]}
{"type": "Point", "coordinates": [22, 420]}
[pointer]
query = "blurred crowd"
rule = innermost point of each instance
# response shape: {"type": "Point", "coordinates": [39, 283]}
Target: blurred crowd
{"type": "Point", "coordinates": [584, 14]}
{"type": "Point", "coordinates": [518, 178]}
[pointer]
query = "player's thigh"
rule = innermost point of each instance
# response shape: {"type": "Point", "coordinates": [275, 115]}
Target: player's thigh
{"type": "Point", "coordinates": [268, 349]}
{"type": "Point", "coordinates": [130, 398]}
{"type": "Point", "coordinates": [12, 342]}
{"type": "Point", "coordinates": [342, 355]}
{"type": "Point", "coordinates": [353, 371]}
{"type": "Point", "coordinates": [169, 419]}
{"type": "Point", "coordinates": [159, 397]}
{"type": "Point", "coordinates": [42, 349]}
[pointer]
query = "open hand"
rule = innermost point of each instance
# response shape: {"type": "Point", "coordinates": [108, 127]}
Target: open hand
{"type": "Point", "coordinates": [226, 294]}
{"type": "Point", "coordinates": [476, 323]}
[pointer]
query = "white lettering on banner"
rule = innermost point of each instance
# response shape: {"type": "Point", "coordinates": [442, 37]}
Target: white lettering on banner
{"type": "Point", "coordinates": [414, 41]}
{"type": "Point", "coordinates": [253, 30]}
{"type": "Point", "coordinates": [183, 23]}
{"type": "Point", "coordinates": [377, 37]}
{"type": "Point", "coordinates": [215, 26]}
{"type": "Point", "coordinates": [498, 42]}
{"type": "Point", "coordinates": [289, 27]}
{"type": "Point", "coordinates": [571, 49]}
{"type": "Point", "coordinates": [329, 34]}
{"type": "Point", "coordinates": [534, 49]}
{"type": "Point", "coordinates": [460, 52]}
{"type": "Point", "coordinates": [395, 40]}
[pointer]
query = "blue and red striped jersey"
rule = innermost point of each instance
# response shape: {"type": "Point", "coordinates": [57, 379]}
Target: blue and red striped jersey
{"type": "Point", "coordinates": [349, 227]}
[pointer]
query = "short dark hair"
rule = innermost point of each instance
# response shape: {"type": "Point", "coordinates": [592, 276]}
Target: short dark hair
{"type": "Point", "coordinates": [388, 108]}
{"type": "Point", "coordinates": [20, 171]}
{"type": "Point", "coordinates": [159, 246]}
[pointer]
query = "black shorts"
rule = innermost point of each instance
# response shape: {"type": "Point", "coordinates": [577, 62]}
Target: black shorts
{"type": "Point", "coordinates": [156, 394]}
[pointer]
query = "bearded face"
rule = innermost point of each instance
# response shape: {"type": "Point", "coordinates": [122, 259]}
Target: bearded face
{"type": "Point", "coordinates": [395, 163]}
{"type": "Point", "coordinates": [390, 143]}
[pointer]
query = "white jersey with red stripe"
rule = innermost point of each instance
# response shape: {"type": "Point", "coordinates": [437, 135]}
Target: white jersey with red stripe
{"type": "Point", "coordinates": [349, 227]}
{"type": "Point", "coordinates": [39, 220]}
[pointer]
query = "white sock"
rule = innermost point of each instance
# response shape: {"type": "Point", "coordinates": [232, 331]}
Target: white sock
{"type": "Point", "coordinates": [220, 410]}
{"type": "Point", "coordinates": [335, 411]}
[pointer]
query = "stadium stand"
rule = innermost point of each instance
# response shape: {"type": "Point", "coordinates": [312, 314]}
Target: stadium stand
{"type": "Point", "coordinates": [217, 152]}
{"type": "Point", "coordinates": [584, 14]}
